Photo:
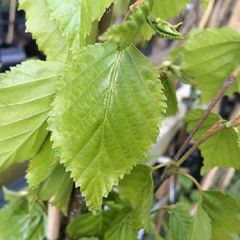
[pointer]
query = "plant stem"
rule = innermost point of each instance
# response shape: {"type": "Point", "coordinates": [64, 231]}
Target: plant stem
{"type": "Point", "coordinates": [230, 80]}
{"type": "Point", "coordinates": [165, 164]}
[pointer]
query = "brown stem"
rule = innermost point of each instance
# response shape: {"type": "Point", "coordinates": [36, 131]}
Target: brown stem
{"type": "Point", "coordinates": [230, 80]}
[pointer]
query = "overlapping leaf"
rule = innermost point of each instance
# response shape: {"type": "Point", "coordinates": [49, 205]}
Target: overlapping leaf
{"type": "Point", "coordinates": [18, 222]}
{"type": "Point", "coordinates": [44, 29]}
{"type": "Point", "coordinates": [106, 117]}
{"type": "Point", "coordinates": [26, 95]}
{"type": "Point", "coordinates": [210, 62]}
{"type": "Point", "coordinates": [221, 149]}
{"type": "Point", "coordinates": [136, 191]}
{"type": "Point", "coordinates": [75, 18]}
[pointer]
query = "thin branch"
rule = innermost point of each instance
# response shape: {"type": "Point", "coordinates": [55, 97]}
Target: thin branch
{"type": "Point", "coordinates": [230, 80]}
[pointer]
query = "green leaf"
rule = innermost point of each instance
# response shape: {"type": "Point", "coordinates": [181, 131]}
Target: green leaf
{"type": "Point", "coordinates": [17, 222]}
{"type": "Point", "coordinates": [224, 213]}
{"type": "Point", "coordinates": [179, 223]}
{"type": "Point", "coordinates": [106, 117]}
{"type": "Point", "coordinates": [221, 149]}
{"type": "Point", "coordinates": [26, 95]}
{"type": "Point", "coordinates": [41, 166]}
{"type": "Point", "coordinates": [136, 191]}
{"type": "Point", "coordinates": [210, 56]}
{"type": "Point", "coordinates": [170, 93]}
{"type": "Point", "coordinates": [57, 188]}
{"type": "Point", "coordinates": [166, 9]}
{"type": "Point", "coordinates": [125, 33]}
{"type": "Point", "coordinates": [75, 18]}
{"type": "Point", "coordinates": [44, 29]}
{"type": "Point", "coordinates": [201, 227]}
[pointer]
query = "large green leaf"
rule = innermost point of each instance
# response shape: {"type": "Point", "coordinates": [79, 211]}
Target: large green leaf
{"type": "Point", "coordinates": [136, 191]}
{"type": "Point", "coordinates": [75, 18]}
{"type": "Point", "coordinates": [106, 117]}
{"type": "Point", "coordinates": [26, 95]}
{"type": "Point", "coordinates": [224, 213]}
{"type": "Point", "coordinates": [221, 149]}
{"type": "Point", "coordinates": [18, 222]}
{"type": "Point", "coordinates": [41, 166]}
{"type": "Point", "coordinates": [210, 56]}
{"type": "Point", "coordinates": [168, 9]}
{"type": "Point", "coordinates": [201, 227]}
{"type": "Point", "coordinates": [179, 223]}
{"type": "Point", "coordinates": [44, 29]}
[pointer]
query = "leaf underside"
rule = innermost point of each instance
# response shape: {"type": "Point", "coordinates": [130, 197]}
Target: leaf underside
{"type": "Point", "coordinates": [106, 117]}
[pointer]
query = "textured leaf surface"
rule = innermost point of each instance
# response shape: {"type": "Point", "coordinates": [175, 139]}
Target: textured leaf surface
{"type": "Point", "coordinates": [224, 213]}
{"type": "Point", "coordinates": [17, 222]}
{"type": "Point", "coordinates": [26, 95]}
{"type": "Point", "coordinates": [166, 9]}
{"type": "Point", "coordinates": [44, 29]}
{"type": "Point", "coordinates": [41, 166]}
{"type": "Point", "coordinates": [57, 188]}
{"type": "Point", "coordinates": [210, 56]}
{"type": "Point", "coordinates": [136, 191]}
{"type": "Point", "coordinates": [221, 149]}
{"type": "Point", "coordinates": [125, 33]}
{"type": "Point", "coordinates": [75, 18]}
{"type": "Point", "coordinates": [179, 223]}
{"type": "Point", "coordinates": [201, 228]}
{"type": "Point", "coordinates": [106, 117]}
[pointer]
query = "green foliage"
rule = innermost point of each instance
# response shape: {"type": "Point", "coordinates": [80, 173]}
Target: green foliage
{"type": "Point", "coordinates": [166, 9]}
{"type": "Point", "coordinates": [125, 33]}
{"type": "Point", "coordinates": [220, 150]}
{"type": "Point", "coordinates": [23, 117]}
{"type": "Point", "coordinates": [18, 222]}
{"type": "Point", "coordinates": [211, 61]}
{"type": "Point", "coordinates": [179, 223]}
{"type": "Point", "coordinates": [116, 106]}
{"type": "Point", "coordinates": [44, 29]}
{"type": "Point", "coordinates": [75, 18]}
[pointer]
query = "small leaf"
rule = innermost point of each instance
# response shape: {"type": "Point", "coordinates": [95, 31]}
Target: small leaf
{"type": "Point", "coordinates": [75, 18]}
{"type": "Point", "coordinates": [170, 93]}
{"type": "Point", "coordinates": [179, 223]}
{"type": "Point", "coordinates": [44, 29]}
{"type": "Point", "coordinates": [210, 62]}
{"type": "Point", "coordinates": [201, 227]}
{"type": "Point", "coordinates": [222, 149]}
{"type": "Point", "coordinates": [57, 188]}
{"type": "Point", "coordinates": [17, 222]}
{"type": "Point", "coordinates": [26, 96]}
{"type": "Point", "coordinates": [166, 9]}
{"type": "Point", "coordinates": [136, 191]}
{"type": "Point", "coordinates": [42, 165]}
{"type": "Point", "coordinates": [125, 33]}
{"type": "Point", "coordinates": [224, 213]}
{"type": "Point", "coordinates": [106, 117]}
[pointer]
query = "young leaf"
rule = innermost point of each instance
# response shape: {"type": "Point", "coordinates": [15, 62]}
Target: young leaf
{"type": "Point", "coordinates": [106, 117]}
{"type": "Point", "coordinates": [136, 191]}
{"type": "Point", "coordinates": [125, 33]}
{"type": "Point", "coordinates": [210, 62]}
{"type": "Point", "coordinates": [57, 188]}
{"type": "Point", "coordinates": [201, 227]}
{"type": "Point", "coordinates": [224, 213]}
{"type": "Point", "coordinates": [44, 29]}
{"type": "Point", "coordinates": [18, 222]}
{"type": "Point", "coordinates": [179, 223]}
{"type": "Point", "coordinates": [166, 9]}
{"type": "Point", "coordinates": [26, 95]}
{"type": "Point", "coordinates": [75, 18]}
{"type": "Point", "coordinates": [221, 149]}
{"type": "Point", "coordinates": [41, 166]}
